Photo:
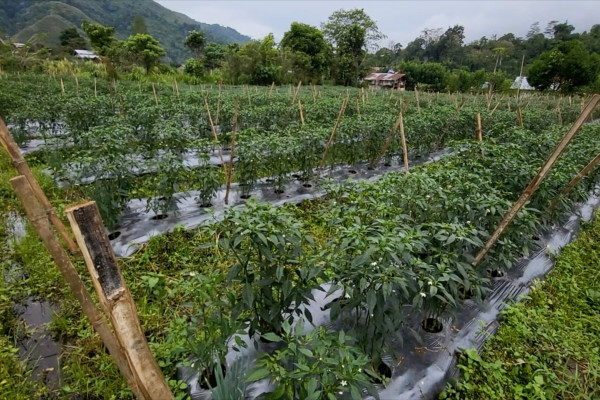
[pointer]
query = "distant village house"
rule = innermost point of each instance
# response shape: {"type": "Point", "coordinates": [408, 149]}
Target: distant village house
{"type": "Point", "coordinates": [86, 55]}
{"type": "Point", "coordinates": [387, 80]}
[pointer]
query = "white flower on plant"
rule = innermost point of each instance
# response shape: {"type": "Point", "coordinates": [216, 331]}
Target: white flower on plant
{"type": "Point", "coordinates": [430, 283]}
{"type": "Point", "coordinates": [374, 263]}
{"type": "Point", "coordinates": [347, 296]}
{"type": "Point", "coordinates": [343, 383]}
{"type": "Point", "coordinates": [423, 294]}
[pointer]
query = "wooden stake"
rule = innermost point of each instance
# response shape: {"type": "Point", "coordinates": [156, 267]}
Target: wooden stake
{"type": "Point", "coordinates": [154, 91]}
{"type": "Point", "coordinates": [519, 116]}
{"type": "Point", "coordinates": [95, 89]}
{"type": "Point", "coordinates": [62, 85]}
{"type": "Point", "coordinates": [37, 216]}
{"type": "Point", "coordinates": [271, 89]}
{"type": "Point", "coordinates": [214, 132]}
{"type": "Point", "coordinates": [388, 141]}
{"type": "Point", "coordinates": [404, 149]}
{"type": "Point", "coordinates": [301, 112]}
{"type": "Point", "coordinates": [574, 182]}
{"type": "Point", "coordinates": [537, 180]}
{"type": "Point", "coordinates": [479, 133]}
{"type": "Point", "coordinates": [337, 122]}
{"type": "Point", "coordinates": [21, 165]}
{"type": "Point", "coordinates": [176, 87]}
{"type": "Point", "coordinates": [232, 154]}
{"type": "Point", "coordinates": [116, 299]}
{"type": "Point", "coordinates": [418, 103]}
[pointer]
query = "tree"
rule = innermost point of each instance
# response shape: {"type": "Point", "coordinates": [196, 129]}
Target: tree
{"type": "Point", "coordinates": [351, 34]}
{"type": "Point", "coordinates": [195, 41]}
{"type": "Point", "coordinates": [145, 50]}
{"type": "Point", "coordinates": [310, 51]}
{"type": "Point", "coordinates": [567, 67]}
{"type": "Point", "coordinates": [138, 25]}
{"type": "Point", "coordinates": [101, 37]}
{"type": "Point", "coordinates": [70, 40]}
{"type": "Point", "coordinates": [214, 55]}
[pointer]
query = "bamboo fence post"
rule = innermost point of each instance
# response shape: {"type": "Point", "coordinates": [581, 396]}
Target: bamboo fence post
{"type": "Point", "coordinates": [404, 149]}
{"type": "Point", "coordinates": [155, 96]}
{"type": "Point", "coordinates": [537, 180]}
{"type": "Point", "coordinates": [21, 165]}
{"type": "Point", "coordinates": [301, 112]}
{"type": "Point", "coordinates": [337, 122]}
{"type": "Point", "coordinates": [479, 133]}
{"type": "Point", "coordinates": [232, 154]}
{"type": "Point", "coordinates": [37, 216]}
{"type": "Point", "coordinates": [574, 182]}
{"type": "Point", "coordinates": [116, 299]}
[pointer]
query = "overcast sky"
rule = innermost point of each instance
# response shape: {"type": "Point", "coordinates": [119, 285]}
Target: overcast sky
{"type": "Point", "coordinates": [400, 21]}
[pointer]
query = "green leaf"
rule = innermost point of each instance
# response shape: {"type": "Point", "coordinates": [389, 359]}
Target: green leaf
{"type": "Point", "coordinates": [257, 374]}
{"type": "Point", "coordinates": [271, 337]}
{"type": "Point", "coordinates": [248, 295]}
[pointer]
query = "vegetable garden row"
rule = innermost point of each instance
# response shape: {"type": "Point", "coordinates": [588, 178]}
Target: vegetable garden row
{"type": "Point", "coordinates": [405, 242]}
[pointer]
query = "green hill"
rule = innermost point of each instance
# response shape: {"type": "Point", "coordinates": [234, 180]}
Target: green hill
{"type": "Point", "coordinates": [25, 18]}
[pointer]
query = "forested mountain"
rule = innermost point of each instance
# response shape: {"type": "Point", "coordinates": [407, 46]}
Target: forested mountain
{"type": "Point", "coordinates": [21, 19]}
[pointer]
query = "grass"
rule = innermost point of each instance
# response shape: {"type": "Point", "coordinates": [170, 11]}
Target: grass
{"type": "Point", "coordinates": [548, 346]}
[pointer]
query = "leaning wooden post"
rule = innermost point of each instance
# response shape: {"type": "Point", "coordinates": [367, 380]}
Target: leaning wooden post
{"type": "Point", "coordinates": [388, 141]}
{"type": "Point", "coordinates": [116, 299]}
{"type": "Point", "coordinates": [574, 182]}
{"type": "Point", "coordinates": [479, 133]}
{"type": "Point", "coordinates": [37, 216]}
{"type": "Point", "coordinates": [21, 165]}
{"type": "Point", "coordinates": [537, 180]}
{"type": "Point", "coordinates": [271, 89]}
{"type": "Point", "coordinates": [519, 116]}
{"type": "Point", "coordinates": [404, 149]}
{"type": "Point", "coordinates": [62, 85]}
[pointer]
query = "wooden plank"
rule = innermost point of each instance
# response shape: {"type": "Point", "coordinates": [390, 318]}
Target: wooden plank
{"type": "Point", "coordinates": [37, 216]}
{"type": "Point", "coordinates": [116, 299]}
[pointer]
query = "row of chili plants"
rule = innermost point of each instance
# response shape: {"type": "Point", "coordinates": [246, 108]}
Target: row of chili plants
{"type": "Point", "coordinates": [403, 244]}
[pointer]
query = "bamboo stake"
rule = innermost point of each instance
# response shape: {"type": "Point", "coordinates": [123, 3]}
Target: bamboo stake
{"type": "Point", "coordinates": [214, 132]}
{"type": "Point", "coordinates": [357, 107]}
{"type": "Point", "coordinates": [301, 112]}
{"type": "Point", "coordinates": [418, 103]}
{"type": "Point", "coordinates": [479, 133]}
{"type": "Point", "coordinates": [36, 214]}
{"type": "Point", "coordinates": [176, 87]}
{"type": "Point", "coordinates": [519, 116]}
{"type": "Point", "coordinates": [537, 180]}
{"type": "Point", "coordinates": [218, 106]}
{"type": "Point", "coordinates": [232, 154]}
{"type": "Point", "coordinates": [574, 182]}
{"type": "Point", "coordinates": [116, 299]}
{"type": "Point", "coordinates": [337, 122]}
{"type": "Point", "coordinates": [21, 165]}
{"type": "Point", "coordinates": [558, 111]}
{"type": "Point", "coordinates": [76, 81]}
{"type": "Point", "coordinates": [271, 89]}
{"type": "Point", "coordinates": [388, 141]}
{"type": "Point", "coordinates": [404, 149]}
{"type": "Point", "coordinates": [62, 85]}
{"type": "Point", "coordinates": [95, 88]}
{"type": "Point", "coordinates": [154, 91]}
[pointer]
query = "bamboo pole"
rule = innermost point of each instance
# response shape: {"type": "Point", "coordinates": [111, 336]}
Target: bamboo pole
{"type": "Point", "coordinates": [214, 132]}
{"type": "Point", "coordinates": [574, 182]}
{"type": "Point", "coordinates": [62, 85]}
{"type": "Point", "coordinates": [519, 116]}
{"type": "Point", "coordinates": [388, 141]}
{"type": "Point", "coordinates": [301, 112]}
{"type": "Point", "coordinates": [404, 149]}
{"type": "Point", "coordinates": [36, 214]}
{"type": "Point", "coordinates": [116, 299]}
{"type": "Point", "coordinates": [21, 165]}
{"type": "Point", "coordinates": [155, 96]}
{"type": "Point", "coordinates": [232, 154]}
{"type": "Point", "coordinates": [418, 103]}
{"type": "Point", "coordinates": [537, 180]}
{"type": "Point", "coordinates": [271, 89]}
{"type": "Point", "coordinates": [337, 122]}
{"type": "Point", "coordinates": [95, 88]}
{"type": "Point", "coordinates": [479, 133]}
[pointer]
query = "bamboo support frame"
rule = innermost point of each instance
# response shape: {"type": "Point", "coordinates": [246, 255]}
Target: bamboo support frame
{"type": "Point", "coordinates": [337, 122]}
{"type": "Point", "coordinates": [301, 112]}
{"type": "Point", "coordinates": [155, 96]}
{"type": "Point", "coordinates": [537, 180]}
{"type": "Point", "coordinates": [388, 141]}
{"type": "Point", "coordinates": [232, 154]}
{"type": "Point", "coordinates": [37, 216]}
{"type": "Point", "coordinates": [479, 132]}
{"type": "Point", "coordinates": [21, 165]}
{"type": "Point", "coordinates": [404, 149]}
{"type": "Point", "coordinates": [116, 299]}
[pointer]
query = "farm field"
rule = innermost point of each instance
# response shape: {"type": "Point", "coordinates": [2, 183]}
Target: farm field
{"type": "Point", "coordinates": [385, 251]}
